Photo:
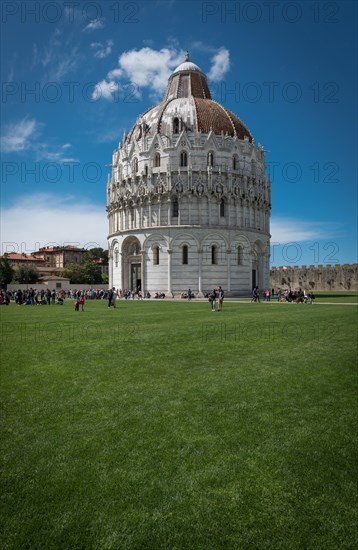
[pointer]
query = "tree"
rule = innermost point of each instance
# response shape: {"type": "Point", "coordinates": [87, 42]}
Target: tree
{"type": "Point", "coordinates": [74, 272]}
{"type": "Point", "coordinates": [92, 273]}
{"type": "Point", "coordinates": [6, 272]}
{"type": "Point", "coordinates": [93, 258]}
{"type": "Point", "coordinates": [85, 274]}
{"type": "Point", "coordinates": [96, 254]}
{"type": "Point", "coordinates": [26, 274]}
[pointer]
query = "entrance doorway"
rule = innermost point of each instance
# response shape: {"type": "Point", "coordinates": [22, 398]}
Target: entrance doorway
{"type": "Point", "coordinates": [136, 277]}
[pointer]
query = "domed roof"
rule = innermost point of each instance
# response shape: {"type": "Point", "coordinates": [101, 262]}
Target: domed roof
{"type": "Point", "coordinates": [187, 66]}
{"type": "Point", "coordinates": [188, 98]}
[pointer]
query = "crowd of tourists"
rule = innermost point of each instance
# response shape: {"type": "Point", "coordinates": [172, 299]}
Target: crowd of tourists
{"type": "Point", "coordinates": [33, 297]}
{"type": "Point", "coordinates": [291, 295]}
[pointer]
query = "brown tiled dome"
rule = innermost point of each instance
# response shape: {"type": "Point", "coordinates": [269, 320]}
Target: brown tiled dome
{"type": "Point", "coordinates": [188, 97]}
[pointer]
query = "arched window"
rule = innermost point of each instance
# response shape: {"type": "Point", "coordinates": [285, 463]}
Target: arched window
{"type": "Point", "coordinates": [135, 165]}
{"type": "Point", "coordinates": [175, 208]}
{"type": "Point", "coordinates": [146, 170]}
{"type": "Point", "coordinates": [234, 163]}
{"type": "Point", "coordinates": [210, 159]}
{"type": "Point", "coordinates": [156, 255]}
{"type": "Point", "coordinates": [222, 208]}
{"type": "Point", "coordinates": [176, 126]}
{"type": "Point", "coordinates": [116, 257]}
{"type": "Point", "coordinates": [185, 255]}
{"type": "Point", "coordinates": [134, 250]}
{"type": "Point", "coordinates": [240, 255]}
{"type": "Point", "coordinates": [157, 160]}
{"type": "Point", "coordinates": [183, 158]}
{"type": "Point", "coordinates": [214, 254]}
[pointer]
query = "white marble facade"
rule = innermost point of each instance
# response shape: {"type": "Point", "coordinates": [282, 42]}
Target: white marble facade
{"type": "Point", "coordinates": [189, 205]}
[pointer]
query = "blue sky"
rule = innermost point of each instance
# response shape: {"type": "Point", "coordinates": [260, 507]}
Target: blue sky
{"type": "Point", "coordinates": [76, 74]}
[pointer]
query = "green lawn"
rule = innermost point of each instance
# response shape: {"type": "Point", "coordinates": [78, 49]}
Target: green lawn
{"type": "Point", "coordinates": [161, 425]}
{"type": "Point", "coordinates": [338, 296]}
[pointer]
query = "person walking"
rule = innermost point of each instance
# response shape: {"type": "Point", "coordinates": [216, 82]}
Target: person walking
{"type": "Point", "coordinates": [212, 299]}
{"type": "Point", "coordinates": [220, 298]}
{"type": "Point", "coordinates": [110, 297]}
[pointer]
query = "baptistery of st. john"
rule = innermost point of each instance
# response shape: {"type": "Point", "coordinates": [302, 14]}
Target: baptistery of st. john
{"type": "Point", "coordinates": [188, 201]}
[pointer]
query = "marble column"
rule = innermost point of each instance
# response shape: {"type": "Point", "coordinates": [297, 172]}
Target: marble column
{"type": "Point", "coordinates": [143, 274]}
{"type": "Point", "coordinates": [200, 272]}
{"type": "Point", "coordinates": [228, 263]}
{"type": "Point", "coordinates": [170, 251]}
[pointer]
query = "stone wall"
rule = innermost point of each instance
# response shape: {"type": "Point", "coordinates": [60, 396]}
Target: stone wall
{"type": "Point", "coordinates": [328, 277]}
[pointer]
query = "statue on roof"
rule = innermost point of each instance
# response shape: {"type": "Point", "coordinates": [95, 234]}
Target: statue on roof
{"type": "Point", "coordinates": [187, 55]}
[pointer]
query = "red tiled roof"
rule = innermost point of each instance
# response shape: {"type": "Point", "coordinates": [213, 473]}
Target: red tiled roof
{"type": "Point", "coordinates": [21, 257]}
{"type": "Point", "coordinates": [68, 248]}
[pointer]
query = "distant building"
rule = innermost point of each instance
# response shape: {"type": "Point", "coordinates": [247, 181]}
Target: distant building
{"type": "Point", "coordinates": [15, 259]}
{"type": "Point", "coordinates": [60, 256]}
{"type": "Point", "coordinates": [49, 261]}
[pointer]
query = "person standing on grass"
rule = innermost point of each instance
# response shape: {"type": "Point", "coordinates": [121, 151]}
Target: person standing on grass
{"type": "Point", "coordinates": [258, 294]}
{"type": "Point", "coordinates": [220, 298]}
{"type": "Point", "coordinates": [18, 297]}
{"type": "Point", "coordinates": [110, 297]}
{"type": "Point", "coordinates": [48, 296]}
{"type": "Point", "coordinates": [81, 301]}
{"type": "Point", "coordinates": [114, 298]}
{"type": "Point", "coordinates": [212, 299]}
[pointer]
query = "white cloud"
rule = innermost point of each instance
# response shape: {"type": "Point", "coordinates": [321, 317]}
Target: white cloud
{"type": "Point", "coordinates": [115, 74]}
{"type": "Point", "coordinates": [42, 152]}
{"type": "Point", "coordinates": [18, 136]}
{"type": "Point", "coordinates": [144, 68]}
{"type": "Point", "coordinates": [105, 89]}
{"type": "Point", "coordinates": [148, 67]}
{"type": "Point", "coordinates": [64, 64]}
{"type": "Point", "coordinates": [220, 65]}
{"type": "Point", "coordinates": [50, 218]}
{"type": "Point", "coordinates": [102, 51]}
{"type": "Point", "coordinates": [287, 230]}
{"type": "Point", "coordinates": [57, 58]}
{"type": "Point", "coordinates": [23, 136]}
{"type": "Point", "coordinates": [94, 25]}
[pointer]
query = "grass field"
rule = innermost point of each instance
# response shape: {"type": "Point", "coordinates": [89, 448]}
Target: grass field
{"type": "Point", "coordinates": [161, 425]}
{"type": "Point", "coordinates": [337, 297]}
